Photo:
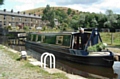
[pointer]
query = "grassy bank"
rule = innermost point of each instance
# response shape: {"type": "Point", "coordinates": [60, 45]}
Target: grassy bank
{"type": "Point", "coordinates": [112, 39]}
{"type": "Point", "coordinates": [27, 68]}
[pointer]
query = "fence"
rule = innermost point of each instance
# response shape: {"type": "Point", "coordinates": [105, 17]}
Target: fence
{"type": "Point", "coordinates": [111, 38]}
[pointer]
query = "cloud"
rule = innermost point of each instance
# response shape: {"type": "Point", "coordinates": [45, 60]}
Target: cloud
{"type": "Point", "coordinates": [84, 8]}
{"type": "Point", "coordinates": [24, 7]}
{"type": "Point", "coordinates": [111, 5]}
{"type": "Point", "coordinates": [29, 1]}
{"type": "Point", "coordinates": [81, 5]}
{"type": "Point", "coordinates": [69, 2]}
{"type": "Point", "coordinates": [98, 6]}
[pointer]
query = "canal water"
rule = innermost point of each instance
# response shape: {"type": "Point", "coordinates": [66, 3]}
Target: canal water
{"type": "Point", "coordinates": [92, 72]}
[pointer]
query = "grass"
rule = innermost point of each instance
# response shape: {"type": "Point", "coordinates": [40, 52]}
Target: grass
{"type": "Point", "coordinates": [112, 39]}
{"type": "Point", "coordinates": [59, 75]}
{"type": "Point", "coordinates": [45, 73]}
{"type": "Point", "coordinates": [27, 65]}
{"type": "Point", "coordinates": [40, 10]}
{"type": "Point", "coordinates": [11, 54]}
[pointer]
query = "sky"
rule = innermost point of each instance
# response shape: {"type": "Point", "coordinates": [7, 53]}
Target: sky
{"type": "Point", "coordinates": [97, 6]}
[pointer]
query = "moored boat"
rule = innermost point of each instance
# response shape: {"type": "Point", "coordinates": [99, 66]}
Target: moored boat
{"type": "Point", "coordinates": [72, 47]}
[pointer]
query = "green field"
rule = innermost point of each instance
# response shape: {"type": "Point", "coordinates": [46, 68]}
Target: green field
{"type": "Point", "coordinates": [112, 39]}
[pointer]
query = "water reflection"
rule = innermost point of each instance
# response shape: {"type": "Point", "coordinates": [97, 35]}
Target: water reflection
{"type": "Point", "coordinates": [86, 70]}
{"type": "Point", "coordinates": [116, 68]}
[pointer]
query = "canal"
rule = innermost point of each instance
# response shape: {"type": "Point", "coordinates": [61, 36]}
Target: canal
{"type": "Point", "coordinates": [92, 72]}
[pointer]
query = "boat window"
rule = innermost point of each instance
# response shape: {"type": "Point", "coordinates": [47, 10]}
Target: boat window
{"type": "Point", "coordinates": [75, 46]}
{"type": "Point", "coordinates": [50, 39]}
{"type": "Point", "coordinates": [84, 40]}
{"type": "Point", "coordinates": [59, 40]}
{"type": "Point", "coordinates": [42, 38]}
{"type": "Point", "coordinates": [39, 38]}
{"type": "Point", "coordinates": [79, 40]}
{"type": "Point", "coordinates": [66, 40]}
{"type": "Point", "coordinates": [36, 38]}
{"type": "Point", "coordinates": [28, 36]}
{"type": "Point", "coordinates": [31, 37]}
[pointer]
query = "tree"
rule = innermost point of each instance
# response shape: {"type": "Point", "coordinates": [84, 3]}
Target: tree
{"type": "Point", "coordinates": [49, 15]}
{"type": "Point", "coordinates": [111, 19]}
{"type": "Point", "coordinates": [46, 13]}
{"type": "Point", "coordinates": [76, 17]}
{"type": "Point", "coordinates": [94, 23]}
{"type": "Point", "coordinates": [1, 2]}
{"type": "Point", "coordinates": [74, 24]}
{"type": "Point", "coordinates": [64, 26]}
{"type": "Point", "coordinates": [118, 24]}
{"type": "Point", "coordinates": [81, 20]}
{"type": "Point", "coordinates": [69, 11]}
{"type": "Point", "coordinates": [101, 18]}
{"type": "Point", "coordinates": [61, 15]}
{"type": "Point", "coordinates": [73, 12]}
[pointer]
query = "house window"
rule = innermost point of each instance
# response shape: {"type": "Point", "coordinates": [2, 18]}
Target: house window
{"type": "Point", "coordinates": [4, 17]}
{"type": "Point", "coordinates": [13, 18]}
{"type": "Point", "coordinates": [4, 22]}
{"type": "Point", "coordinates": [36, 21]}
{"type": "Point", "coordinates": [26, 19]}
{"type": "Point", "coordinates": [0, 23]}
{"type": "Point", "coordinates": [20, 19]}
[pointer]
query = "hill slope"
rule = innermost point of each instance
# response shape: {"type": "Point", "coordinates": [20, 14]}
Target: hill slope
{"type": "Point", "coordinates": [40, 10]}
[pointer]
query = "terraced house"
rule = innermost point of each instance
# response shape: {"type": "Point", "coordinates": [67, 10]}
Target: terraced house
{"type": "Point", "coordinates": [18, 19]}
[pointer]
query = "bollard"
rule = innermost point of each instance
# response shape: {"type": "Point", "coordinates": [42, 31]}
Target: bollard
{"type": "Point", "coordinates": [23, 55]}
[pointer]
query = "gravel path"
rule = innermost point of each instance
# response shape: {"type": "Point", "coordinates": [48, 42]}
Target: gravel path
{"type": "Point", "coordinates": [114, 49]}
{"type": "Point", "coordinates": [12, 69]}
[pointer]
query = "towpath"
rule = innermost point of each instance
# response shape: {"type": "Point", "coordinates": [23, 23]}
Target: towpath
{"type": "Point", "coordinates": [116, 51]}
{"type": "Point", "coordinates": [12, 69]}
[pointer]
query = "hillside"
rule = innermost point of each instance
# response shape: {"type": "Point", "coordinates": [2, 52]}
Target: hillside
{"type": "Point", "coordinates": [70, 18]}
{"type": "Point", "coordinates": [40, 10]}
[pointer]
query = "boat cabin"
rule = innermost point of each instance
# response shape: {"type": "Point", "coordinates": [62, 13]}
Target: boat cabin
{"type": "Point", "coordinates": [74, 40]}
{"type": "Point", "coordinates": [86, 39]}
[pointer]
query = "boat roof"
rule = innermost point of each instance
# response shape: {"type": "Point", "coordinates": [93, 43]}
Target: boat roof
{"type": "Point", "coordinates": [53, 32]}
{"type": "Point", "coordinates": [64, 32]}
{"type": "Point", "coordinates": [86, 31]}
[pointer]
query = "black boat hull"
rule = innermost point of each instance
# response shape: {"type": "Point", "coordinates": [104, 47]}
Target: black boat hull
{"type": "Point", "coordinates": [63, 53]}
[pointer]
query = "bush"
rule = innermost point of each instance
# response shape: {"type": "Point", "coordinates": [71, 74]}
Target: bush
{"type": "Point", "coordinates": [8, 28]}
{"type": "Point", "coordinates": [44, 28]}
{"type": "Point", "coordinates": [26, 27]}
{"type": "Point", "coordinates": [97, 47]}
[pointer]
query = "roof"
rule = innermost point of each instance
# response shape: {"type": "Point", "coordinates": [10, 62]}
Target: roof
{"type": "Point", "coordinates": [18, 14]}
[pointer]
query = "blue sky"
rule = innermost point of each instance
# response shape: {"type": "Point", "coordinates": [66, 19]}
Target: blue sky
{"type": "Point", "coordinates": [96, 6]}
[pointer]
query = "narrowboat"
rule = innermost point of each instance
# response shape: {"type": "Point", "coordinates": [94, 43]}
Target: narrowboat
{"type": "Point", "coordinates": [72, 46]}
